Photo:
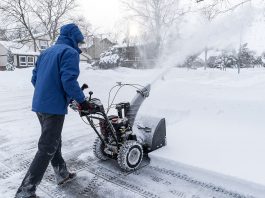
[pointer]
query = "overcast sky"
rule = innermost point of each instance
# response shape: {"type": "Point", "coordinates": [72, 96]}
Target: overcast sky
{"type": "Point", "coordinates": [105, 14]}
{"type": "Point", "coordinates": [101, 13]}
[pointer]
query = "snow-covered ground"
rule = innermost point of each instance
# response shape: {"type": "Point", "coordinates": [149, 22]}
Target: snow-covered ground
{"type": "Point", "coordinates": [214, 119]}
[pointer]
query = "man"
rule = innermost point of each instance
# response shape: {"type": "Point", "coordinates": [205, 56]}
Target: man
{"type": "Point", "coordinates": [55, 81]}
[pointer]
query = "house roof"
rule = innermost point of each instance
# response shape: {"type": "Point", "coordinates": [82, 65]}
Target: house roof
{"type": "Point", "coordinates": [18, 48]}
{"type": "Point", "coordinates": [86, 55]}
{"type": "Point", "coordinates": [107, 40]}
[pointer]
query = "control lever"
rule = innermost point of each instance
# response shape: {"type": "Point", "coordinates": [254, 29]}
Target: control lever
{"type": "Point", "coordinates": [84, 86]}
{"type": "Point", "coordinates": [90, 94]}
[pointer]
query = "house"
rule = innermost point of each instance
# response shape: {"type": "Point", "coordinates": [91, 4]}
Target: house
{"type": "Point", "coordinates": [21, 53]}
{"type": "Point", "coordinates": [98, 46]}
{"type": "Point", "coordinates": [42, 41]}
{"type": "Point", "coordinates": [17, 55]}
{"type": "Point", "coordinates": [137, 56]}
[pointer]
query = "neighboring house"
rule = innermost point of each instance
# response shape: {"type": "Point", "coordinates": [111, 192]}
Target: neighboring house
{"type": "Point", "coordinates": [141, 56]}
{"type": "Point", "coordinates": [98, 46]}
{"type": "Point", "coordinates": [20, 53]}
{"type": "Point", "coordinates": [43, 41]}
{"type": "Point", "coordinates": [17, 55]}
{"type": "Point", "coordinates": [137, 56]}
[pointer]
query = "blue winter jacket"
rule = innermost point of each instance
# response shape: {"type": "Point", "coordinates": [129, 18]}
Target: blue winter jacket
{"type": "Point", "coordinates": [56, 72]}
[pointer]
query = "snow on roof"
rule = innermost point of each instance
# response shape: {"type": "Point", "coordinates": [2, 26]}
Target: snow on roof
{"type": "Point", "coordinates": [18, 48]}
{"type": "Point", "coordinates": [120, 45]}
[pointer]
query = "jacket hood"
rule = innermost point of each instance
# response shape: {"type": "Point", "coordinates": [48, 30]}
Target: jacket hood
{"type": "Point", "coordinates": [71, 35]}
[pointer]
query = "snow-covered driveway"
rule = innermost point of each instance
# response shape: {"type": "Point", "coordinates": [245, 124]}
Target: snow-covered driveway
{"type": "Point", "coordinates": [19, 132]}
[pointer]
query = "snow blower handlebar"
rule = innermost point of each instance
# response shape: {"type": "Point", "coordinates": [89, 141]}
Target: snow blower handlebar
{"type": "Point", "coordinates": [96, 109]}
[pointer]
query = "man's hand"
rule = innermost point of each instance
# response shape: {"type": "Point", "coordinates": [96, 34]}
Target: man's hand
{"type": "Point", "coordinates": [85, 105]}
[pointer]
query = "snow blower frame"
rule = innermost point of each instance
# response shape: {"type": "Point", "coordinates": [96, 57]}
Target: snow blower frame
{"type": "Point", "coordinates": [122, 137]}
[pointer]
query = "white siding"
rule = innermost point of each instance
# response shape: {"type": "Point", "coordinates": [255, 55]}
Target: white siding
{"type": "Point", "coordinates": [15, 60]}
{"type": "Point", "coordinates": [3, 56]}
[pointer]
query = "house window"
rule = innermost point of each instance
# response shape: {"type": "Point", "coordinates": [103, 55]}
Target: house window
{"type": "Point", "coordinates": [22, 61]}
{"type": "Point", "coordinates": [30, 61]}
{"type": "Point", "coordinates": [43, 45]}
{"type": "Point", "coordinates": [26, 61]}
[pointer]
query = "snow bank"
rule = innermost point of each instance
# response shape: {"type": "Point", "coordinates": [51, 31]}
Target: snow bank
{"type": "Point", "coordinates": [109, 57]}
{"type": "Point", "coordinates": [215, 119]}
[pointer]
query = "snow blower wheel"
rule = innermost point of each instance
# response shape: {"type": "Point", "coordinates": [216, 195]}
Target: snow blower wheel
{"type": "Point", "coordinates": [130, 155]}
{"type": "Point", "coordinates": [98, 150]}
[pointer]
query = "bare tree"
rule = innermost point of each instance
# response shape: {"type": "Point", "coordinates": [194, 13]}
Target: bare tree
{"type": "Point", "coordinates": [84, 25]}
{"type": "Point", "coordinates": [122, 31]}
{"type": "Point", "coordinates": [51, 14]}
{"type": "Point", "coordinates": [156, 16]}
{"type": "Point", "coordinates": [212, 8]}
{"type": "Point", "coordinates": [209, 12]}
{"type": "Point", "coordinates": [3, 34]}
{"type": "Point", "coordinates": [32, 16]}
{"type": "Point", "coordinates": [18, 11]}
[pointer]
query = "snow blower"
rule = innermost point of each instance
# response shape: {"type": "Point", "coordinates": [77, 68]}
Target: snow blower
{"type": "Point", "coordinates": [123, 137]}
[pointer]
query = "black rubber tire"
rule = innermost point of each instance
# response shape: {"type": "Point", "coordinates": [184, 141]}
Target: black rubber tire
{"type": "Point", "coordinates": [98, 150]}
{"type": "Point", "coordinates": [126, 151]}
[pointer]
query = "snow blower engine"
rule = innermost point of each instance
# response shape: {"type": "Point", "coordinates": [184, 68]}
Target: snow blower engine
{"type": "Point", "coordinates": [123, 137]}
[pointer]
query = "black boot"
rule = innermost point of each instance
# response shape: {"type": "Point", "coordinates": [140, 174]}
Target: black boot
{"type": "Point", "coordinates": [70, 177]}
{"type": "Point", "coordinates": [24, 193]}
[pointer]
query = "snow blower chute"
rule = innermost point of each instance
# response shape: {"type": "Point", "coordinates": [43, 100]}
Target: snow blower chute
{"type": "Point", "coordinates": [124, 137]}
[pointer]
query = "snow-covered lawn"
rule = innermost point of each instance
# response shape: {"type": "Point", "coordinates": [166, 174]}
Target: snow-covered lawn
{"type": "Point", "coordinates": [215, 119]}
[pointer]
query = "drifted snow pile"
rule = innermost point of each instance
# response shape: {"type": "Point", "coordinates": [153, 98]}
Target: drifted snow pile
{"type": "Point", "coordinates": [109, 59]}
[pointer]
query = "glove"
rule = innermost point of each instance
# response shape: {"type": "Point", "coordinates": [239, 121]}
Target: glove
{"type": "Point", "coordinates": [85, 105]}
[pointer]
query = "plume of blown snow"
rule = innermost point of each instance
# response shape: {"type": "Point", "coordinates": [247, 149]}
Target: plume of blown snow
{"type": "Point", "coordinates": [224, 32]}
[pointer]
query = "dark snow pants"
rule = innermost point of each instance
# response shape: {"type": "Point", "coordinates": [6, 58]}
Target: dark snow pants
{"type": "Point", "coordinates": [49, 150]}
